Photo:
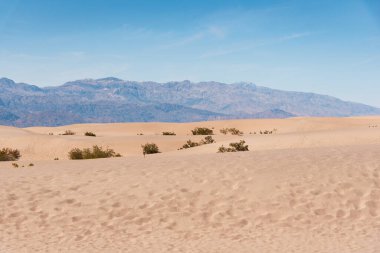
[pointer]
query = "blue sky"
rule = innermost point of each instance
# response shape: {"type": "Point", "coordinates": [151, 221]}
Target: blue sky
{"type": "Point", "coordinates": [324, 46]}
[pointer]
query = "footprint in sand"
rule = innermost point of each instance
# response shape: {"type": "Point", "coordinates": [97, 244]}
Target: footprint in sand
{"type": "Point", "coordinates": [69, 201]}
{"type": "Point", "coordinates": [340, 213]}
{"type": "Point", "coordinates": [372, 207]}
{"type": "Point", "coordinates": [75, 218]}
{"type": "Point", "coordinates": [320, 212]}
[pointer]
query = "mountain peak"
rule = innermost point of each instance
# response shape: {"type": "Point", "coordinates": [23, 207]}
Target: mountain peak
{"type": "Point", "coordinates": [93, 82]}
{"type": "Point", "coordinates": [7, 81]}
{"type": "Point", "coordinates": [245, 84]}
{"type": "Point", "coordinates": [109, 79]}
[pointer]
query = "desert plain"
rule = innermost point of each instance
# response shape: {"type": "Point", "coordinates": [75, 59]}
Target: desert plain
{"type": "Point", "coordinates": [313, 185]}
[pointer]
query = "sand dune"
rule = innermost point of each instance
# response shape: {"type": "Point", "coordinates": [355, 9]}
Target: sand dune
{"type": "Point", "coordinates": [314, 186]}
{"type": "Point", "coordinates": [36, 144]}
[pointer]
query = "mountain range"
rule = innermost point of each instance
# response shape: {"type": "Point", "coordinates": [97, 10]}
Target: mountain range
{"type": "Point", "coordinates": [115, 100]}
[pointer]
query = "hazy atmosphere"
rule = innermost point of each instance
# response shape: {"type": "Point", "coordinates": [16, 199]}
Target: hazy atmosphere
{"type": "Point", "coordinates": [328, 47]}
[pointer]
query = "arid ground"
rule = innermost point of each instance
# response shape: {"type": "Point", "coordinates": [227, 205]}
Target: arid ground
{"type": "Point", "coordinates": [313, 185]}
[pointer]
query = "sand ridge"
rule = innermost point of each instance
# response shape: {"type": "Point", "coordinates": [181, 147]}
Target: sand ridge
{"type": "Point", "coordinates": [35, 143]}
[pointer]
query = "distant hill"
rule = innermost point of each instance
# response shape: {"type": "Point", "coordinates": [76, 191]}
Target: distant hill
{"type": "Point", "coordinates": [115, 100]}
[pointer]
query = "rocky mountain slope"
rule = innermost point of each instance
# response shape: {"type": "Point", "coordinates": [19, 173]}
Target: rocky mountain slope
{"type": "Point", "coordinates": [115, 100]}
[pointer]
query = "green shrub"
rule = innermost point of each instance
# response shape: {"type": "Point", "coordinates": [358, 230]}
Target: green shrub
{"type": "Point", "coordinates": [202, 131]}
{"type": "Point", "coordinates": [94, 153]}
{"type": "Point", "coordinates": [150, 148]}
{"type": "Point", "coordinates": [207, 140]}
{"type": "Point", "coordinates": [75, 154]}
{"type": "Point", "coordinates": [68, 132]}
{"type": "Point", "coordinates": [239, 146]}
{"type": "Point", "coordinates": [232, 131]}
{"type": "Point", "coordinates": [191, 144]}
{"type": "Point", "coordinates": [90, 134]}
{"type": "Point", "coordinates": [235, 131]}
{"type": "Point", "coordinates": [15, 165]}
{"type": "Point", "coordinates": [223, 149]}
{"type": "Point", "coordinates": [234, 147]}
{"type": "Point", "coordinates": [224, 130]}
{"type": "Point", "coordinates": [8, 154]}
{"type": "Point", "coordinates": [168, 133]}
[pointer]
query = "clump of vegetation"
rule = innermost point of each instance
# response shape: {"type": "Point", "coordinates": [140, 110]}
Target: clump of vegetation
{"type": "Point", "coordinates": [266, 132]}
{"type": "Point", "coordinates": [150, 148]}
{"type": "Point", "coordinates": [94, 153]}
{"type": "Point", "coordinates": [15, 165]}
{"type": "Point", "coordinates": [191, 144]}
{"type": "Point", "coordinates": [168, 133]}
{"type": "Point", "coordinates": [56, 159]}
{"type": "Point", "coordinates": [68, 132]}
{"type": "Point", "coordinates": [224, 130]}
{"type": "Point", "coordinates": [239, 146]}
{"type": "Point", "coordinates": [234, 147]}
{"type": "Point", "coordinates": [233, 131]}
{"type": "Point", "coordinates": [51, 134]}
{"type": "Point", "coordinates": [140, 134]}
{"type": "Point", "coordinates": [76, 154]}
{"type": "Point", "coordinates": [31, 165]}
{"type": "Point", "coordinates": [90, 134]}
{"type": "Point", "coordinates": [202, 131]}
{"type": "Point", "coordinates": [8, 154]}
{"type": "Point", "coordinates": [207, 140]}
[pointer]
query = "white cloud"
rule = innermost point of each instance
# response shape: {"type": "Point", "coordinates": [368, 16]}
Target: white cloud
{"type": "Point", "coordinates": [294, 36]}
{"type": "Point", "coordinates": [254, 44]}
{"type": "Point", "coordinates": [217, 31]}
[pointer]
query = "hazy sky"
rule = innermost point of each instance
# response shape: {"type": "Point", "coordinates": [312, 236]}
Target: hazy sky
{"type": "Point", "coordinates": [329, 47]}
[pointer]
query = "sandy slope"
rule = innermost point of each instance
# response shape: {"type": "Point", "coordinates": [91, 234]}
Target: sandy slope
{"type": "Point", "coordinates": [36, 143]}
{"type": "Point", "coordinates": [314, 186]}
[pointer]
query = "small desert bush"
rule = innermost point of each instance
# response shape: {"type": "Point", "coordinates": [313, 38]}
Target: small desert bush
{"type": "Point", "coordinates": [8, 154]}
{"type": "Point", "coordinates": [168, 133]}
{"type": "Point", "coordinates": [94, 153]}
{"type": "Point", "coordinates": [239, 146]}
{"type": "Point", "coordinates": [202, 131]}
{"type": "Point", "coordinates": [150, 148]}
{"type": "Point", "coordinates": [31, 165]}
{"type": "Point", "coordinates": [234, 147]}
{"type": "Point", "coordinates": [224, 130]}
{"type": "Point", "coordinates": [233, 131]}
{"type": "Point", "coordinates": [76, 154]}
{"type": "Point", "coordinates": [266, 132]}
{"type": "Point", "coordinates": [68, 132]}
{"type": "Point", "coordinates": [191, 144]}
{"type": "Point", "coordinates": [207, 140]}
{"type": "Point", "coordinates": [15, 165]}
{"type": "Point", "coordinates": [90, 134]}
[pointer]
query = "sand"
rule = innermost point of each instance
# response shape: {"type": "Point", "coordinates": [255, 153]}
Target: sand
{"type": "Point", "coordinates": [312, 186]}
